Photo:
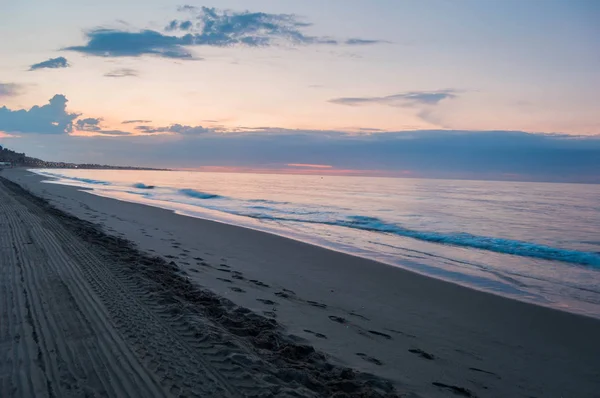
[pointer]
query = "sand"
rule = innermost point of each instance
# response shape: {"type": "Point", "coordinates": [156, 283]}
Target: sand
{"type": "Point", "coordinates": [131, 300]}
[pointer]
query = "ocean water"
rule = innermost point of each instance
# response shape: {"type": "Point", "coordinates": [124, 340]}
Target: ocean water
{"type": "Point", "coordinates": [536, 242]}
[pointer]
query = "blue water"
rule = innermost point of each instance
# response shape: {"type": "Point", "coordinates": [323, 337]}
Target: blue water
{"type": "Point", "coordinates": [537, 242]}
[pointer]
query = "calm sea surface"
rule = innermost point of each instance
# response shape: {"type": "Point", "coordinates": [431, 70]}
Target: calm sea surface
{"type": "Point", "coordinates": [537, 242]}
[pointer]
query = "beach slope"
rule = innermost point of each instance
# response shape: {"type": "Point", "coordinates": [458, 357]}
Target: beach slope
{"type": "Point", "coordinates": [221, 310]}
{"type": "Point", "coordinates": [86, 314]}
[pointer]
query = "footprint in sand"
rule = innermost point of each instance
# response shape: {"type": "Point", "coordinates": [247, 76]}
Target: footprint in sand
{"type": "Point", "coordinates": [258, 283]}
{"type": "Point", "coordinates": [237, 275]}
{"type": "Point", "coordinates": [358, 316]}
{"type": "Point", "coordinates": [369, 359]}
{"type": "Point", "coordinates": [422, 353]}
{"type": "Point", "coordinates": [225, 280]}
{"type": "Point", "coordinates": [237, 289]}
{"type": "Point", "coordinates": [316, 334]}
{"type": "Point", "coordinates": [376, 333]}
{"type": "Point", "coordinates": [402, 333]}
{"type": "Point", "coordinates": [267, 302]}
{"type": "Point", "coordinates": [455, 389]}
{"type": "Point", "coordinates": [316, 304]}
{"type": "Point", "coordinates": [337, 319]}
{"type": "Point", "coordinates": [485, 371]}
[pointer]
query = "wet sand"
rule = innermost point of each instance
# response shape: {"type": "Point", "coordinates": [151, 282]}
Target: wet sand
{"type": "Point", "coordinates": [197, 306]}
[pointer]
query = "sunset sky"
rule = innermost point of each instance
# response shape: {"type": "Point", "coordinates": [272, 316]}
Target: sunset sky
{"type": "Point", "coordinates": [348, 84]}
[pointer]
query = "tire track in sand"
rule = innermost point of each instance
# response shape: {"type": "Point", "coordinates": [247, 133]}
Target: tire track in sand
{"type": "Point", "coordinates": [106, 320]}
{"type": "Point", "coordinates": [74, 350]}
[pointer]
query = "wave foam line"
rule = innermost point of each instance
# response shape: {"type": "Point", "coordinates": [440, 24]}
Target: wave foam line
{"type": "Point", "coordinates": [192, 193]}
{"type": "Point", "coordinates": [463, 239]}
{"type": "Point", "coordinates": [84, 180]}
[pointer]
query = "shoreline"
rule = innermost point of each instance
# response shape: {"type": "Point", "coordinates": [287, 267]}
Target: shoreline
{"type": "Point", "coordinates": [483, 286]}
{"type": "Point", "coordinates": [144, 303]}
{"type": "Point", "coordinates": [396, 317]}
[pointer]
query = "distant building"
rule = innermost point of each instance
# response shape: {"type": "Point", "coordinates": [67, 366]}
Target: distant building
{"type": "Point", "coordinates": [5, 164]}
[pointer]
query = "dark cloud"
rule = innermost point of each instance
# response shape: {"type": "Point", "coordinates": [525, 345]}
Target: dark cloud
{"type": "Point", "coordinates": [116, 43]}
{"type": "Point", "coordinates": [186, 25]}
{"type": "Point", "coordinates": [10, 89]}
{"type": "Point", "coordinates": [52, 63]}
{"type": "Point", "coordinates": [435, 153]}
{"type": "Point", "coordinates": [51, 118]}
{"type": "Point", "coordinates": [206, 27]}
{"type": "Point", "coordinates": [407, 99]}
{"type": "Point", "coordinates": [136, 121]}
{"type": "Point", "coordinates": [88, 124]}
{"type": "Point", "coordinates": [93, 125]}
{"type": "Point", "coordinates": [177, 25]}
{"type": "Point", "coordinates": [176, 128]}
{"type": "Point", "coordinates": [122, 72]}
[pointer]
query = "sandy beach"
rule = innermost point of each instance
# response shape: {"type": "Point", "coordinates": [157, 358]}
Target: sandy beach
{"type": "Point", "coordinates": [107, 298]}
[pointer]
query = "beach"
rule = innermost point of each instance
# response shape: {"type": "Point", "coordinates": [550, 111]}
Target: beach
{"type": "Point", "coordinates": [105, 297]}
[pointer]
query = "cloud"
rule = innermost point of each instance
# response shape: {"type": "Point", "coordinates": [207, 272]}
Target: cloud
{"type": "Point", "coordinates": [407, 99]}
{"type": "Point", "coordinates": [93, 125]}
{"type": "Point", "coordinates": [52, 63]}
{"type": "Point", "coordinates": [176, 128]}
{"type": "Point", "coordinates": [186, 8]}
{"type": "Point", "coordinates": [434, 153]}
{"type": "Point", "coordinates": [88, 124]}
{"type": "Point", "coordinates": [425, 101]}
{"type": "Point", "coordinates": [116, 43]}
{"type": "Point", "coordinates": [226, 28]}
{"type": "Point", "coordinates": [206, 27]}
{"type": "Point", "coordinates": [123, 72]}
{"type": "Point", "coordinates": [51, 118]}
{"type": "Point", "coordinates": [10, 89]}
{"type": "Point", "coordinates": [112, 132]}
{"type": "Point", "coordinates": [177, 25]}
{"type": "Point", "coordinates": [136, 121]}
{"type": "Point", "coordinates": [362, 42]}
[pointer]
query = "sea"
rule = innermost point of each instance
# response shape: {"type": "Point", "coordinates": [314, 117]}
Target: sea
{"type": "Point", "coordinates": [535, 242]}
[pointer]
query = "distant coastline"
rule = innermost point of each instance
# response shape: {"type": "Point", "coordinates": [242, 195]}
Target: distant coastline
{"type": "Point", "coordinates": [9, 158]}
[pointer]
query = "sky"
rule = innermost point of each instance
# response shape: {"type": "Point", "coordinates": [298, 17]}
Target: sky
{"type": "Point", "coordinates": [449, 88]}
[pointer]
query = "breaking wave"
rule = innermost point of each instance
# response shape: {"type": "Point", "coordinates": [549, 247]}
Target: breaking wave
{"type": "Point", "coordinates": [78, 179]}
{"type": "Point", "coordinates": [463, 239]}
{"type": "Point", "coordinates": [192, 193]}
{"type": "Point", "coordinates": [263, 209]}
{"type": "Point", "coordinates": [141, 185]}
